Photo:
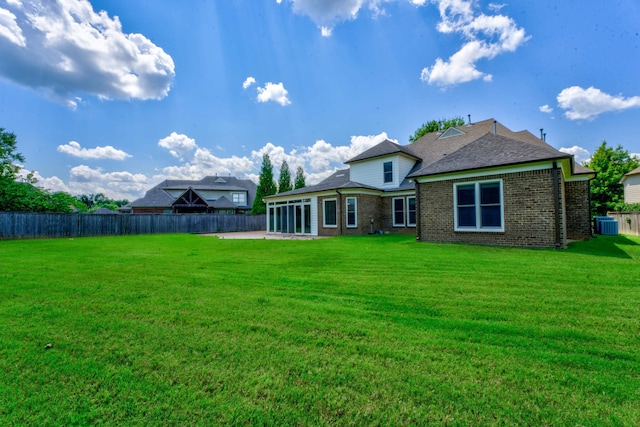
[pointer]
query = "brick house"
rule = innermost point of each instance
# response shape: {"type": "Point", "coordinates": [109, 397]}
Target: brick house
{"type": "Point", "coordinates": [212, 195]}
{"type": "Point", "coordinates": [476, 183]}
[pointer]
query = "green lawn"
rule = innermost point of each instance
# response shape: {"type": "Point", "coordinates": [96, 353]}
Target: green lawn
{"type": "Point", "coordinates": [374, 330]}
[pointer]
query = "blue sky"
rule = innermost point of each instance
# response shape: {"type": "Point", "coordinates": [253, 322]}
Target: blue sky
{"type": "Point", "coordinates": [114, 96]}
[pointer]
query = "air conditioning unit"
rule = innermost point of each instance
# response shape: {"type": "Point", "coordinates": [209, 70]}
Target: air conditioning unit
{"type": "Point", "coordinates": [598, 221]}
{"type": "Point", "coordinates": [609, 228]}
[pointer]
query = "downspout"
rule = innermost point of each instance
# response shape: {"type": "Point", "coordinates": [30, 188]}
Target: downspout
{"type": "Point", "coordinates": [556, 201]}
{"type": "Point", "coordinates": [418, 228]}
{"type": "Point", "coordinates": [339, 215]}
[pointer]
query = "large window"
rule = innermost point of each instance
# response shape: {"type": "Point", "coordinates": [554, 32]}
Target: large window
{"type": "Point", "coordinates": [239, 198]}
{"type": "Point", "coordinates": [329, 209]}
{"type": "Point", "coordinates": [411, 211]}
{"type": "Point", "coordinates": [478, 206]}
{"type": "Point", "coordinates": [352, 212]}
{"type": "Point", "coordinates": [388, 172]}
{"type": "Point", "coordinates": [398, 212]}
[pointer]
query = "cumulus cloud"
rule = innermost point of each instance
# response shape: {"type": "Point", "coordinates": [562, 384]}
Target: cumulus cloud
{"type": "Point", "coordinates": [121, 185]}
{"type": "Point", "coordinates": [589, 103]}
{"type": "Point", "coordinates": [546, 109]}
{"type": "Point", "coordinates": [74, 149]}
{"type": "Point", "coordinates": [318, 160]}
{"type": "Point", "coordinates": [580, 154]}
{"type": "Point", "coordinates": [178, 145]}
{"type": "Point", "coordinates": [273, 92]}
{"type": "Point", "coordinates": [487, 36]}
{"type": "Point", "coordinates": [248, 82]}
{"type": "Point", "coordinates": [328, 13]}
{"type": "Point", "coordinates": [65, 49]}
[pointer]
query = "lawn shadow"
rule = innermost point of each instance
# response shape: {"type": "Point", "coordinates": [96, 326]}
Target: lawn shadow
{"type": "Point", "coordinates": [605, 246]}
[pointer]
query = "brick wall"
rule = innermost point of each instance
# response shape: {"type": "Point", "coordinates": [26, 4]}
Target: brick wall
{"type": "Point", "coordinates": [368, 207]}
{"type": "Point", "coordinates": [578, 211]}
{"type": "Point", "coordinates": [529, 212]}
{"type": "Point", "coordinates": [387, 218]}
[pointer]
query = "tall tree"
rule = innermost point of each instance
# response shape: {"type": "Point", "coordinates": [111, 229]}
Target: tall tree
{"type": "Point", "coordinates": [284, 182]}
{"type": "Point", "coordinates": [266, 186]}
{"type": "Point", "coordinates": [607, 194]}
{"type": "Point", "coordinates": [8, 156]}
{"type": "Point", "coordinates": [299, 181]}
{"type": "Point", "coordinates": [434, 126]}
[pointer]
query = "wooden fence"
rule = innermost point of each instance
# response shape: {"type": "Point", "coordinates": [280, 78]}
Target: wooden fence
{"type": "Point", "coordinates": [20, 225]}
{"type": "Point", "coordinates": [628, 223]}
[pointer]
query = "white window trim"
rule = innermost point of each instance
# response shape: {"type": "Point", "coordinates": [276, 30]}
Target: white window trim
{"type": "Point", "coordinates": [324, 214]}
{"type": "Point", "coordinates": [392, 173]}
{"type": "Point", "coordinates": [241, 198]}
{"type": "Point", "coordinates": [478, 228]}
{"type": "Point", "coordinates": [409, 224]}
{"type": "Point", "coordinates": [346, 212]}
{"type": "Point", "coordinates": [393, 212]}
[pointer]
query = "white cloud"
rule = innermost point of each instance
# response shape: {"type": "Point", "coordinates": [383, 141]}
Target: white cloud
{"type": "Point", "coordinates": [330, 12]}
{"type": "Point", "coordinates": [589, 103]}
{"type": "Point", "coordinates": [63, 48]}
{"type": "Point", "coordinates": [74, 149]}
{"type": "Point", "coordinates": [179, 145]}
{"type": "Point", "coordinates": [318, 160]}
{"type": "Point", "coordinates": [248, 82]}
{"type": "Point", "coordinates": [9, 28]}
{"type": "Point", "coordinates": [546, 109]}
{"type": "Point", "coordinates": [326, 31]}
{"type": "Point", "coordinates": [580, 154]}
{"type": "Point", "coordinates": [119, 185]}
{"type": "Point", "coordinates": [488, 36]}
{"type": "Point", "coordinates": [273, 92]}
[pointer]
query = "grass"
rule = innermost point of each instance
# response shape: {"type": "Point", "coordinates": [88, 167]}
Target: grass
{"type": "Point", "coordinates": [373, 330]}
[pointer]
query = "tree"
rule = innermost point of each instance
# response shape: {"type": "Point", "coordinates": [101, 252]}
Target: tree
{"type": "Point", "coordinates": [21, 194]}
{"type": "Point", "coordinates": [266, 186]}
{"type": "Point", "coordinates": [610, 164]}
{"type": "Point", "coordinates": [284, 182]}
{"type": "Point", "coordinates": [93, 202]}
{"type": "Point", "coordinates": [299, 181]}
{"type": "Point", "coordinates": [434, 126]}
{"type": "Point", "coordinates": [9, 156]}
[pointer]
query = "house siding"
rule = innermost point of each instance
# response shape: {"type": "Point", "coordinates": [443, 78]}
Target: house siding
{"type": "Point", "coordinates": [578, 210]}
{"type": "Point", "coordinates": [632, 189]}
{"type": "Point", "coordinates": [529, 212]}
{"type": "Point", "coordinates": [371, 172]}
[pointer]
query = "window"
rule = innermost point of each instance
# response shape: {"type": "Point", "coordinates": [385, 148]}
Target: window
{"type": "Point", "coordinates": [478, 206]}
{"type": "Point", "coordinates": [329, 207]}
{"type": "Point", "coordinates": [239, 198]}
{"type": "Point", "coordinates": [398, 212]}
{"type": "Point", "coordinates": [388, 172]}
{"type": "Point", "coordinates": [411, 211]}
{"type": "Point", "coordinates": [352, 212]}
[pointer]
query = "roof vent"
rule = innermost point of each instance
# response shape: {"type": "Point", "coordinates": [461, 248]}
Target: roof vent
{"type": "Point", "coordinates": [451, 132]}
{"type": "Point", "coordinates": [221, 181]}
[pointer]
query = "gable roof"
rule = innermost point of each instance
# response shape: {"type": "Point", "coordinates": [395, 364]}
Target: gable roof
{"type": "Point", "coordinates": [636, 171]}
{"type": "Point", "coordinates": [490, 150]}
{"type": "Point", "coordinates": [384, 148]}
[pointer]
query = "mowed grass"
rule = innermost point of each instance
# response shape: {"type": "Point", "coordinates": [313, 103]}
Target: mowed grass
{"type": "Point", "coordinates": [372, 330]}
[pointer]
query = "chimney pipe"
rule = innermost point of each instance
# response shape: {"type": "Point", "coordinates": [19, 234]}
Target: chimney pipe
{"type": "Point", "coordinates": [495, 127]}
{"type": "Point", "coordinates": [469, 115]}
{"type": "Point", "coordinates": [544, 137]}
{"type": "Point", "coordinates": [541, 134]}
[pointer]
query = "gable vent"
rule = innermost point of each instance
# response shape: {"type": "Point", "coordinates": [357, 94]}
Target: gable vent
{"type": "Point", "coordinates": [221, 181]}
{"type": "Point", "coordinates": [451, 132]}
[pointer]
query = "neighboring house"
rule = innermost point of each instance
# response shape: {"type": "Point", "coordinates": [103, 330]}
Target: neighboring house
{"type": "Point", "coordinates": [211, 195]}
{"type": "Point", "coordinates": [476, 183]}
{"type": "Point", "coordinates": [631, 183]}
